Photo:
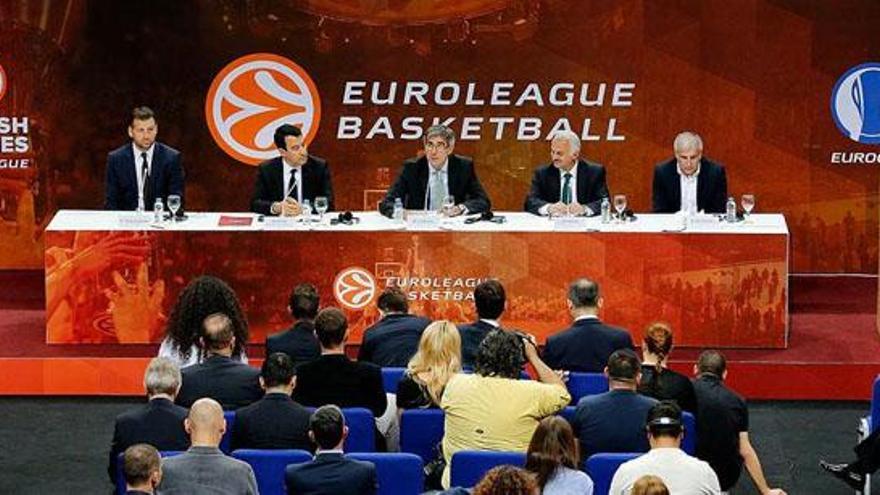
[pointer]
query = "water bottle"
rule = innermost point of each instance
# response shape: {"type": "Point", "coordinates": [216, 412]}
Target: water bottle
{"type": "Point", "coordinates": [306, 211]}
{"type": "Point", "coordinates": [730, 215]}
{"type": "Point", "coordinates": [158, 211]}
{"type": "Point", "coordinates": [606, 210]}
{"type": "Point", "coordinates": [397, 214]}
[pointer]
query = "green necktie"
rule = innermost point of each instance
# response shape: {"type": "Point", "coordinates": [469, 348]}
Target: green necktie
{"type": "Point", "coordinates": [566, 189]}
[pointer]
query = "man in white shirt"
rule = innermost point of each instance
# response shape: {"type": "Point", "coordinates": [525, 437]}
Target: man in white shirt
{"type": "Point", "coordinates": [689, 181]}
{"type": "Point", "coordinates": [682, 474]}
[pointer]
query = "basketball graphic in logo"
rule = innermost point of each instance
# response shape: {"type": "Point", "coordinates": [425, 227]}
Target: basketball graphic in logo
{"type": "Point", "coordinates": [855, 103]}
{"type": "Point", "coordinates": [251, 97]}
{"type": "Point", "coordinates": [354, 287]}
{"type": "Point", "coordinates": [3, 82]}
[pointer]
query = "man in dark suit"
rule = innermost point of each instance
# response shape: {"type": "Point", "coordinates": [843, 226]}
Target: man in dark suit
{"type": "Point", "coordinates": [159, 422]}
{"type": "Point", "coordinates": [490, 299]}
{"type": "Point", "coordinates": [424, 182]}
{"type": "Point", "coordinates": [275, 421]}
{"type": "Point", "coordinates": [283, 183]}
{"type": "Point", "coordinates": [143, 170]}
{"type": "Point", "coordinates": [299, 341]}
{"type": "Point", "coordinates": [330, 473]}
{"type": "Point", "coordinates": [231, 383]}
{"type": "Point", "coordinates": [586, 345]}
{"type": "Point", "coordinates": [689, 182]}
{"type": "Point", "coordinates": [392, 340]}
{"type": "Point", "coordinates": [568, 185]}
{"type": "Point", "coordinates": [142, 469]}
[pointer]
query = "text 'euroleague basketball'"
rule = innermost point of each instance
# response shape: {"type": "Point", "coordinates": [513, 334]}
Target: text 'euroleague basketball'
{"type": "Point", "coordinates": [251, 97]}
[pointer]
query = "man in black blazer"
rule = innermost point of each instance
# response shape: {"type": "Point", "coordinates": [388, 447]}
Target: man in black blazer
{"type": "Point", "coordinates": [424, 182]}
{"type": "Point", "coordinates": [568, 185]}
{"type": "Point", "coordinates": [159, 422]}
{"type": "Point", "coordinates": [689, 181]}
{"type": "Point", "coordinates": [283, 183]}
{"type": "Point", "coordinates": [275, 421]}
{"type": "Point", "coordinates": [490, 299]}
{"type": "Point", "coordinates": [394, 339]}
{"type": "Point", "coordinates": [143, 170]}
{"type": "Point", "coordinates": [231, 383]}
{"type": "Point", "coordinates": [330, 473]}
{"type": "Point", "coordinates": [588, 343]}
{"type": "Point", "coordinates": [299, 341]}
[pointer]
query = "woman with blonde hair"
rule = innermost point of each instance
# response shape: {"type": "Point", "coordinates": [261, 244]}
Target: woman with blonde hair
{"type": "Point", "coordinates": [436, 361]}
{"type": "Point", "coordinates": [658, 381]}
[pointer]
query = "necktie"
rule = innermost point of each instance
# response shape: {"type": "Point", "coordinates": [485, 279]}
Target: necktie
{"type": "Point", "coordinates": [438, 191]}
{"type": "Point", "coordinates": [566, 189]}
{"type": "Point", "coordinates": [145, 173]}
{"type": "Point", "coordinates": [293, 190]}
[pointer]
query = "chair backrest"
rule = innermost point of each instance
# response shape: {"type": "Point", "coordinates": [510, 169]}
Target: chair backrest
{"type": "Point", "coordinates": [390, 378]}
{"type": "Point", "coordinates": [420, 432]}
{"type": "Point", "coordinates": [601, 468]}
{"type": "Point", "coordinates": [469, 466]}
{"type": "Point", "coordinates": [567, 413]}
{"type": "Point", "coordinates": [583, 384]}
{"type": "Point", "coordinates": [399, 473]}
{"type": "Point", "coordinates": [689, 442]}
{"type": "Point", "coordinates": [226, 441]}
{"type": "Point", "coordinates": [268, 466]}
{"type": "Point", "coordinates": [875, 404]}
{"type": "Point", "coordinates": [361, 430]}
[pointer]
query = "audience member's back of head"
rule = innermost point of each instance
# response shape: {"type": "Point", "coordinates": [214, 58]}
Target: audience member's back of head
{"type": "Point", "coordinates": [658, 339]}
{"type": "Point", "coordinates": [439, 355]}
{"type": "Point", "coordinates": [141, 462]}
{"type": "Point", "coordinates": [331, 327]}
{"type": "Point", "coordinates": [664, 420]}
{"type": "Point", "coordinates": [623, 366]}
{"type": "Point", "coordinates": [277, 370]}
{"type": "Point", "coordinates": [162, 376]}
{"type": "Point", "coordinates": [583, 293]}
{"type": "Point", "coordinates": [304, 302]}
{"type": "Point", "coordinates": [649, 485]}
{"type": "Point", "coordinates": [507, 480]}
{"type": "Point", "coordinates": [553, 445]}
{"type": "Point", "coordinates": [712, 362]}
{"type": "Point", "coordinates": [327, 426]}
{"type": "Point", "coordinates": [393, 300]}
{"type": "Point", "coordinates": [500, 354]}
{"type": "Point", "coordinates": [204, 296]}
{"type": "Point", "coordinates": [489, 298]}
{"type": "Point", "coordinates": [205, 422]}
{"type": "Point", "coordinates": [218, 332]}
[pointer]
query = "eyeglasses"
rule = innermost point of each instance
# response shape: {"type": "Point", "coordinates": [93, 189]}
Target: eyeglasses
{"type": "Point", "coordinates": [436, 146]}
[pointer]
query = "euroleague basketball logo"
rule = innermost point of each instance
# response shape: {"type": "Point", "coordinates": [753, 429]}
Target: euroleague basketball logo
{"type": "Point", "coordinates": [354, 287]}
{"type": "Point", "coordinates": [251, 97]}
{"type": "Point", "coordinates": [2, 82]}
{"type": "Point", "coordinates": [855, 103]}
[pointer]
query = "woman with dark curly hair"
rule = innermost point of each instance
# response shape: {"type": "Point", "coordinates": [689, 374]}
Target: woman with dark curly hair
{"type": "Point", "coordinates": [203, 296]}
{"type": "Point", "coordinates": [553, 457]}
{"type": "Point", "coordinates": [507, 480]}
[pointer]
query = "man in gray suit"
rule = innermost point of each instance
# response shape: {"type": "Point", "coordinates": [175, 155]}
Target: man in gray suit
{"type": "Point", "coordinates": [204, 468]}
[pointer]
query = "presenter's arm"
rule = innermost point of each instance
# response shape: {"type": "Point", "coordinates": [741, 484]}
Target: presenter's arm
{"type": "Point", "coordinates": [657, 196]}
{"type": "Point", "coordinates": [719, 200]}
{"type": "Point", "coordinates": [111, 185]}
{"type": "Point", "coordinates": [534, 203]}
{"type": "Point", "coordinates": [476, 200]}
{"type": "Point", "coordinates": [398, 190]}
{"type": "Point", "coordinates": [259, 202]}
{"type": "Point", "coordinates": [176, 177]}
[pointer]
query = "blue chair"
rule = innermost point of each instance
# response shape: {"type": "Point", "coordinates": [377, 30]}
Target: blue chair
{"type": "Point", "coordinates": [226, 441]}
{"type": "Point", "coordinates": [601, 468]}
{"type": "Point", "coordinates": [583, 384]}
{"type": "Point", "coordinates": [420, 432]}
{"type": "Point", "coordinates": [361, 430]}
{"type": "Point", "coordinates": [469, 466]}
{"type": "Point", "coordinates": [567, 413]}
{"type": "Point", "coordinates": [398, 473]}
{"type": "Point", "coordinates": [269, 466]}
{"type": "Point", "coordinates": [120, 468]}
{"type": "Point", "coordinates": [689, 442]}
{"type": "Point", "coordinates": [390, 378]}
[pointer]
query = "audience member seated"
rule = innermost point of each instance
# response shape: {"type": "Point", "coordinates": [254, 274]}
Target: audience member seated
{"type": "Point", "coordinates": [553, 457]}
{"type": "Point", "coordinates": [204, 468]}
{"type": "Point", "coordinates": [142, 467]}
{"type": "Point", "coordinates": [681, 473]}
{"type": "Point", "coordinates": [231, 383]}
{"type": "Point", "coordinates": [490, 300]}
{"type": "Point", "coordinates": [649, 485]}
{"type": "Point", "coordinates": [299, 341]}
{"type": "Point", "coordinates": [507, 480]}
{"type": "Point", "coordinates": [275, 421]}
{"type": "Point", "coordinates": [203, 296]}
{"type": "Point", "coordinates": [658, 381]}
{"type": "Point", "coordinates": [723, 426]}
{"type": "Point", "coordinates": [392, 341]}
{"type": "Point", "coordinates": [436, 361]}
{"type": "Point", "coordinates": [493, 409]}
{"type": "Point", "coordinates": [615, 420]}
{"type": "Point", "coordinates": [586, 345]}
{"type": "Point", "coordinates": [330, 473]}
{"type": "Point", "coordinates": [159, 422]}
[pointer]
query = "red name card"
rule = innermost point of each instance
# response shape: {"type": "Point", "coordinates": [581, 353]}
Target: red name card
{"type": "Point", "coordinates": [229, 221]}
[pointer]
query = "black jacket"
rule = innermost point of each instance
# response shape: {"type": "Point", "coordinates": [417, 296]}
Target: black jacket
{"type": "Point", "coordinates": [547, 186]}
{"type": "Point", "coordinates": [273, 422]}
{"type": "Point", "coordinates": [585, 346]}
{"type": "Point", "coordinates": [298, 342]}
{"type": "Point", "coordinates": [335, 379]}
{"type": "Point", "coordinates": [411, 186]}
{"type": "Point", "coordinates": [393, 340]}
{"type": "Point", "coordinates": [158, 422]}
{"type": "Point", "coordinates": [231, 383]}
{"type": "Point", "coordinates": [471, 337]}
{"type": "Point", "coordinates": [269, 187]}
{"type": "Point", "coordinates": [711, 187]}
{"type": "Point", "coordinates": [331, 474]}
{"type": "Point", "coordinates": [120, 183]}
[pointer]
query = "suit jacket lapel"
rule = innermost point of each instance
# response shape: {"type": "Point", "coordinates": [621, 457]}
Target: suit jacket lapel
{"type": "Point", "coordinates": [702, 184]}
{"type": "Point", "coordinates": [306, 178]}
{"type": "Point", "coordinates": [278, 177]}
{"type": "Point", "coordinates": [422, 177]}
{"type": "Point", "coordinates": [675, 187]}
{"type": "Point", "coordinates": [554, 184]}
{"type": "Point", "coordinates": [583, 182]}
{"type": "Point", "coordinates": [131, 170]}
{"type": "Point", "coordinates": [453, 177]}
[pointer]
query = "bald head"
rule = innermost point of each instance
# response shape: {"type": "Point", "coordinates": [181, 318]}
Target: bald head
{"type": "Point", "coordinates": [205, 423]}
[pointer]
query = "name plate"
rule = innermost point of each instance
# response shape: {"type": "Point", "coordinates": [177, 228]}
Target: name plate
{"type": "Point", "coordinates": [135, 219]}
{"type": "Point", "coordinates": [424, 222]}
{"type": "Point", "coordinates": [570, 224]}
{"type": "Point", "coordinates": [284, 223]}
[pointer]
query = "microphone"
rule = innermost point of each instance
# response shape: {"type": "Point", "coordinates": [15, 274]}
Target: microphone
{"type": "Point", "coordinates": [486, 216]}
{"type": "Point", "coordinates": [345, 218]}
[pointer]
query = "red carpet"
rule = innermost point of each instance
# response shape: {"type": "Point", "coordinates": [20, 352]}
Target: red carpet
{"type": "Point", "coordinates": [834, 349]}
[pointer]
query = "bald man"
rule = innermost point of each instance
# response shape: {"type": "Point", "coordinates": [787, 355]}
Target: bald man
{"type": "Point", "coordinates": [204, 468]}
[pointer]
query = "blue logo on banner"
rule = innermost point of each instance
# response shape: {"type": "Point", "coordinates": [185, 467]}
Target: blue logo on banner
{"type": "Point", "coordinates": [855, 103]}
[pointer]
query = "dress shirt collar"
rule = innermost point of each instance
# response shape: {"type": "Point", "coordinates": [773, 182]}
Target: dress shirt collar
{"type": "Point", "coordinates": [137, 156]}
{"type": "Point", "coordinates": [492, 322]}
{"type": "Point", "coordinates": [586, 317]}
{"type": "Point", "coordinates": [444, 170]}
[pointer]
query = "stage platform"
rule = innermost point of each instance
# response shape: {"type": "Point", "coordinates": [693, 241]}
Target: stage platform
{"type": "Point", "coordinates": [834, 350]}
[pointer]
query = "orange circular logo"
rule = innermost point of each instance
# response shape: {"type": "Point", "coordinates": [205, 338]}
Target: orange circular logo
{"type": "Point", "coordinates": [3, 82]}
{"type": "Point", "coordinates": [354, 287]}
{"type": "Point", "coordinates": [251, 97]}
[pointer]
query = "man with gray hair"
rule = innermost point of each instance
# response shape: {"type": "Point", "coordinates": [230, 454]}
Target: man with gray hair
{"type": "Point", "coordinates": [159, 422]}
{"type": "Point", "coordinates": [204, 468]}
{"type": "Point", "coordinates": [568, 185]}
{"type": "Point", "coordinates": [689, 181]}
{"type": "Point", "coordinates": [424, 182]}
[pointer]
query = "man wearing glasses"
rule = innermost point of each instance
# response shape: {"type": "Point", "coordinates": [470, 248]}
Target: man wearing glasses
{"type": "Point", "coordinates": [425, 182]}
